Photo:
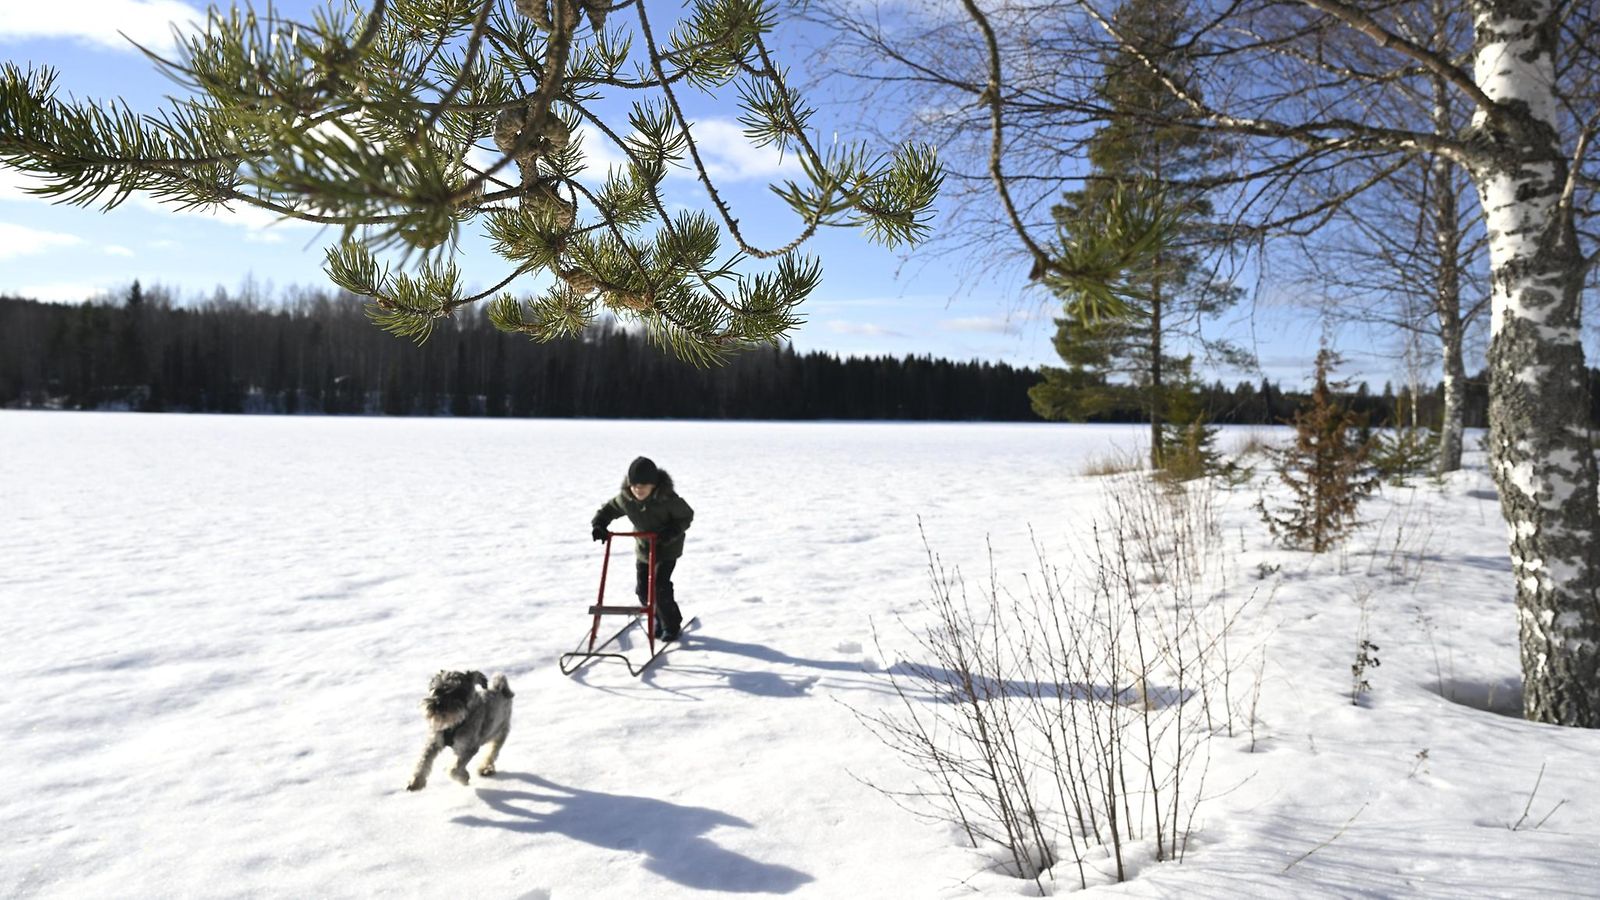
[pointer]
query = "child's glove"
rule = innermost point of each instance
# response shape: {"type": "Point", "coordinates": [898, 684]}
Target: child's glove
{"type": "Point", "coordinates": [667, 533]}
{"type": "Point", "coordinates": [598, 532]}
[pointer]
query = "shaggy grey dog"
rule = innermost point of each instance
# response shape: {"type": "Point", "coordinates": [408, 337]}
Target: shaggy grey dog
{"type": "Point", "coordinates": [464, 712]}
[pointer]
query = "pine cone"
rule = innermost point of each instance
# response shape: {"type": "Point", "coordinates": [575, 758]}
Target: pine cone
{"type": "Point", "coordinates": [597, 10]}
{"type": "Point", "coordinates": [580, 281]}
{"type": "Point", "coordinates": [542, 195]}
{"type": "Point", "coordinates": [536, 11]}
{"type": "Point", "coordinates": [507, 127]}
{"type": "Point", "coordinates": [555, 134]}
{"type": "Point", "coordinates": [635, 302]}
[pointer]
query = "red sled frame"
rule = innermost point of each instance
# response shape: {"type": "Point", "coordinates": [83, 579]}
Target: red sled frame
{"type": "Point", "coordinates": [588, 650]}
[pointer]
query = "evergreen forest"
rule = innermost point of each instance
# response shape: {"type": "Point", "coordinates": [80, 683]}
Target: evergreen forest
{"type": "Point", "coordinates": [314, 352]}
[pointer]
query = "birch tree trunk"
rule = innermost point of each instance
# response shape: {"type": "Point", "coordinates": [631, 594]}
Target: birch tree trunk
{"type": "Point", "coordinates": [1447, 455]}
{"type": "Point", "coordinates": [1158, 395]}
{"type": "Point", "coordinates": [1538, 397]}
{"type": "Point", "coordinates": [1447, 290]}
{"type": "Point", "coordinates": [1447, 310]}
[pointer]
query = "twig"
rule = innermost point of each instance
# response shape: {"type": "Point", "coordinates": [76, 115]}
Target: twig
{"type": "Point", "coordinates": [1338, 834]}
{"type": "Point", "coordinates": [1529, 805]}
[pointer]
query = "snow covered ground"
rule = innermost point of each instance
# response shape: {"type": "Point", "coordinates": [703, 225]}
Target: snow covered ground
{"type": "Point", "coordinates": [217, 630]}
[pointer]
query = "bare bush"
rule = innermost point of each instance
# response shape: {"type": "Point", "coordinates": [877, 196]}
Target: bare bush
{"type": "Point", "coordinates": [1068, 722]}
{"type": "Point", "coordinates": [1402, 543]}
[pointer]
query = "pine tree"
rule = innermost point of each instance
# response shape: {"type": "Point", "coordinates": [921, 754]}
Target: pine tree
{"type": "Point", "coordinates": [1131, 331]}
{"type": "Point", "coordinates": [377, 123]}
{"type": "Point", "coordinates": [1187, 437]}
{"type": "Point", "coordinates": [1083, 390]}
{"type": "Point", "coordinates": [1325, 470]}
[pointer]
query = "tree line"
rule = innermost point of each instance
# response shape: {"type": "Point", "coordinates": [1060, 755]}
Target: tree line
{"type": "Point", "coordinates": [315, 352]}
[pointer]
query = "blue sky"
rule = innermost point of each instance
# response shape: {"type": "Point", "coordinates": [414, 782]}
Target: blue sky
{"type": "Point", "coordinates": [872, 301]}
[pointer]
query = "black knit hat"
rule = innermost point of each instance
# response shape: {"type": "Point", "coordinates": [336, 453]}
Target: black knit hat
{"type": "Point", "coordinates": [643, 471]}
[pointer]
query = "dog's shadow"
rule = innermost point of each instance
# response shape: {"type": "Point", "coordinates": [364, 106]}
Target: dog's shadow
{"type": "Point", "coordinates": [672, 837]}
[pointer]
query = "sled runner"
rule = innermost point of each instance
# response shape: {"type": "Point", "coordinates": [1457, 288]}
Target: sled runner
{"type": "Point", "coordinates": [592, 648]}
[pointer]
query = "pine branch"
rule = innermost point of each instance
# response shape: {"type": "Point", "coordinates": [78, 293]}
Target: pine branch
{"type": "Point", "coordinates": [367, 122]}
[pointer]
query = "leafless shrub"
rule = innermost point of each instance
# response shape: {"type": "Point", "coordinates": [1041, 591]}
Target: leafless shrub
{"type": "Point", "coordinates": [1366, 651]}
{"type": "Point", "coordinates": [1402, 542]}
{"type": "Point", "coordinates": [1069, 722]}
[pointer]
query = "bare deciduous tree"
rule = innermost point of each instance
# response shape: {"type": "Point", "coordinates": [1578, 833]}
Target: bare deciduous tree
{"type": "Point", "coordinates": [1410, 256]}
{"type": "Point", "coordinates": [1306, 90]}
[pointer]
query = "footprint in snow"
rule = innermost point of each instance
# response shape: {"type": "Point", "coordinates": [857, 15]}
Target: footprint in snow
{"type": "Point", "coordinates": [852, 648]}
{"type": "Point", "coordinates": [858, 538]}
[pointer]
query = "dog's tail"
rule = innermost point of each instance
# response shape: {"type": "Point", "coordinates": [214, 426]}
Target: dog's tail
{"type": "Point", "coordinates": [500, 686]}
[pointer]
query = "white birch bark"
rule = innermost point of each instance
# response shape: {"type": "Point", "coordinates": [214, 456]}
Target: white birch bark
{"type": "Point", "coordinates": [1447, 288]}
{"type": "Point", "coordinates": [1538, 397]}
{"type": "Point", "coordinates": [1447, 310]}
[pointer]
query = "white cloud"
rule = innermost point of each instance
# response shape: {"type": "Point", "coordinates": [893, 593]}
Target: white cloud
{"type": "Point", "coordinates": [864, 329]}
{"type": "Point", "coordinates": [482, 159]}
{"type": "Point", "coordinates": [60, 291]}
{"type": "Point", "coordinates": [164, 244]}
{"type": "Point", "coordinates": [254, 220]}
{"type": "Point", "coordinates": [600, 156]}
{"type": "Point", "coordinates": [116, 250]}
{"type": "Point", "coordinates": [984, 325]}
{"type": "Point", "coordinates": [261, 226]}
{"type": "Point", "coordinates": [12, 184]}
{"type": "Point", "coordinates": [729, 155]}
{"type": "Point", "coordinates": [19, 240]}
{"type": "Point", "coordinates": [100, 22]}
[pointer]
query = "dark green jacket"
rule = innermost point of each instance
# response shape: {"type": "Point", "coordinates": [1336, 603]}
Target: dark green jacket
{"type": "Point", "coordinates": [662, 508]}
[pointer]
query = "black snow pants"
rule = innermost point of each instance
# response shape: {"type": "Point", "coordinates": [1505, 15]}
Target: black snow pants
{"type": "Point", "coordinates": [668, 618]}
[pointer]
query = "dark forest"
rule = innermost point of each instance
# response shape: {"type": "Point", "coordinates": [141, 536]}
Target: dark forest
{"type": "Point", "coordinates": [318, 353]}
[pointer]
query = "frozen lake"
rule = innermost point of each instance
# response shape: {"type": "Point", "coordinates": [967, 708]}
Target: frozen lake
{"type": "Point", "coordinates": [217, 630]}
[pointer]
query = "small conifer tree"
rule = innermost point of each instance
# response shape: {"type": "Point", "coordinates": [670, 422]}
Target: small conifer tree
{"type": "Point", "coordinates": [1325, 469]}
{"type": "Point", "coordinates": [1188, 439]}
{"type": "Point", "coordinates": [1407, 448]}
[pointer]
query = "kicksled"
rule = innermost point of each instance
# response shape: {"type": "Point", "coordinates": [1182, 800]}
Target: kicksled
{"type": "Point", "coordinates": [591, 648]}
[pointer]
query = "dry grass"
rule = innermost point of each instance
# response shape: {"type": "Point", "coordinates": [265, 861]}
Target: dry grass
{"type": "Point", "coordinates": [1118, 462]}
{"type": "Point", "coordinates": [1254, 443]}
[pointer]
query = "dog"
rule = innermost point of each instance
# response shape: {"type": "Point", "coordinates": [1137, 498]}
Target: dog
{"type": "Point", "coordinates": [464, 711]}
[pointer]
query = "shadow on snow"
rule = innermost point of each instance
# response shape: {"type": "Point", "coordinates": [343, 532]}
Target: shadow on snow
{"type": "Point", "coordinates": [943, 685]}
{"type": "Point", "coordinates": [672, 837]}
{"type": "Point", "coordinates": [933, 683]}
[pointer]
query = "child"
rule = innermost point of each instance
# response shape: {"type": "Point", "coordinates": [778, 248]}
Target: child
{"type": "Point", "coordinates": [650, 503]}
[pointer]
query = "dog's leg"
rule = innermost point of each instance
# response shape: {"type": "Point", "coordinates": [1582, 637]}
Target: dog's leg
{"type": "Point", "coordinates": [419, 778]}
{"type": "Point", "coordinates": [495, 743]}
{"type": "Point", "coordinates": [464, 754]}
